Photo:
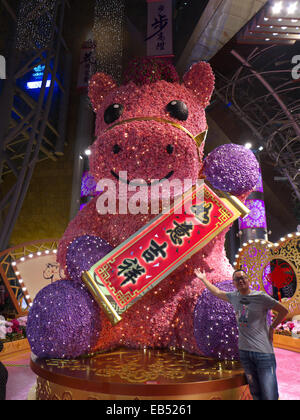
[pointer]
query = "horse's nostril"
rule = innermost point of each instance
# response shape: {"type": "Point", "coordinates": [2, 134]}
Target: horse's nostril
{"type": "Point", "coordinates": [116, 149]}
{"type": "Point", "coordinates": [170, 149]}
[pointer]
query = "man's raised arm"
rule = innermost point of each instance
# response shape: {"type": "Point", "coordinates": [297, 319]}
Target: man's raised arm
{"type": "Point", "coordinates": [213, 289]}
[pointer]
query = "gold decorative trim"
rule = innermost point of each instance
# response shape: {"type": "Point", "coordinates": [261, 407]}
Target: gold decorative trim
{"type": "Point", "coordinates": [101, 298]}
{"type": "Point", "coordinates": [254, 256]}
{"type": "Point", "coordinates": [197, 139]}
{"type": "Point", "coordinates": [11, 283]}
{"type": "Point", "coordinates": [232, 201]}
{"type": "Point", "coordinates": [48, 391]}
{"type": "Point", "coordinates": [140, 374]}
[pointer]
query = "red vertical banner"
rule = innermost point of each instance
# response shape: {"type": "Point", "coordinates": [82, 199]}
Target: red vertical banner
{"type": "Point", "coordinates": [159, 38]}
{"type": "Point", "coordinates": [87, 59]}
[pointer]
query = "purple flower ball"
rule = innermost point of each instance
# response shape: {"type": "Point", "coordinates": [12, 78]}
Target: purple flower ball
{"type": "Point", "coordinates": [83, 253]}
{"type": "Point", "coordinates": [64, 321]}
{"type": "Point", "coordinates": [215, 326]}
{"type": "Point", "coordinates": [232, 168]}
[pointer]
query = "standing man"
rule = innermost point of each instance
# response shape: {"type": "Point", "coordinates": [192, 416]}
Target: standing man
{"type": "Point", "coordinates": [255, 336]}
{"type": "Point", "coordinates": [3, 378]}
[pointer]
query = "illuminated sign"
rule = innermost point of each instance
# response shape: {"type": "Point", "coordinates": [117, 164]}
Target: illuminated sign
{"type": "Point", "coordinates": [37, 84]}
{"type": "Point", "coordinates": [39, 71]}
{"type": "Point", "coordinates": [136, 266]}
{"type": "Point", "coordinates": [38, 74]}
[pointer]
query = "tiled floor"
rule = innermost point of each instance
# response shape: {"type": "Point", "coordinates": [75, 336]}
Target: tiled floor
{"type": "Point", "coordinates": [288, 374]}
{"type": "Point", "coordinates": [21, 379]}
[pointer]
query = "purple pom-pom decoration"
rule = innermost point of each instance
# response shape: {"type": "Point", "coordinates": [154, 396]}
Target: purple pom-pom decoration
{"type": "Point", "coordinates": [232, 168]}
{"type": "Point", "coordinates": [83, 253]}
{"type": "Point", "coordinates": [215, 326]}
{"type": "Point", "coordinates": [64, 321]}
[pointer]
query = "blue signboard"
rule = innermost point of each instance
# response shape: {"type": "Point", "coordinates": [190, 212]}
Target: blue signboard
{"type": "Point", "coordinates": [37, 78]}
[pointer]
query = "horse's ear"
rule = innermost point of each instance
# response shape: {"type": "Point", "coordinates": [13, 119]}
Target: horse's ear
{"type": "Point", "coordinates": [201, 80]}
{"type": "Point", "coordinates": [100, 85]}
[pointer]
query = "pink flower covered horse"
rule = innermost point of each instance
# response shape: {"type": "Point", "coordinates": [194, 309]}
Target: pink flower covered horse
{"type": "Point", "coordinates": [145, 128]}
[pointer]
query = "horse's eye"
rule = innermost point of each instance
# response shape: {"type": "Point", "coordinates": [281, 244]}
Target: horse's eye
{"type": "Point", "coordinates": [113, 113]}
{"type": "Point", "coordinates": [178, 110]}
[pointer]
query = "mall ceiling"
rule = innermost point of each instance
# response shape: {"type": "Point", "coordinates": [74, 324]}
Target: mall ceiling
{"type": "Point", "coordinates": [256, 99]}
{"type": "Point", "coordinates": [250, 45]}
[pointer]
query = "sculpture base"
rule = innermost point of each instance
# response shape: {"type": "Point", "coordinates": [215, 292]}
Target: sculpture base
{"type": "Point", "coordinates": [139, 375]}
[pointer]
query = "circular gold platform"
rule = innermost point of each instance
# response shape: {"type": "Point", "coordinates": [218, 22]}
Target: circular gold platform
{"type": "Point", "coordinates": [139, 374]}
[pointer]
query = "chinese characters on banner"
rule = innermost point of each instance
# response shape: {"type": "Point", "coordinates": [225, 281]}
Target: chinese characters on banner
{"type": "Point", "coordinates": [133, 268]}
{"type": "Point", "coordinates": [159, 34]}
{"type": "Point", "coordinates": [87, 60]}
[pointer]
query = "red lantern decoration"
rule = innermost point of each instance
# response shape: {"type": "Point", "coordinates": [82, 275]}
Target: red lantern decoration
{"type": "Point", "coordinates": [280, 276]}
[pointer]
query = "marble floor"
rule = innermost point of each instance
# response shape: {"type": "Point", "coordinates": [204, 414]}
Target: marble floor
{"type": "Point", "coordinates": [288, 374]}
{"type": "Point", "coordinates": [21, 379]}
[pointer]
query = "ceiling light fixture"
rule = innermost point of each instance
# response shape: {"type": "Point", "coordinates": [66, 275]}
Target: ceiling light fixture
{"type": "Point", "coordinates": [277, 8]}
{"type": "Point", "coordinates": [292, 8]}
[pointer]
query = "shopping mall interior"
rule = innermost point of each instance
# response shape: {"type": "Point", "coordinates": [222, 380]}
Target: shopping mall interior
{"type": "Point", "coordinates": [204, 94]}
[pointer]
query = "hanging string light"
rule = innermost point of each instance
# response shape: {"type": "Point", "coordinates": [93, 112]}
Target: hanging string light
{"type": "Point", "coordinates": [108, 35]}
{"type": "Point", "coordinates": [35, 23]}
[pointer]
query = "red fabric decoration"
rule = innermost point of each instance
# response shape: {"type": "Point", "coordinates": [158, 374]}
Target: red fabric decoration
{"type": "Point", "coordinates": [280, 276]}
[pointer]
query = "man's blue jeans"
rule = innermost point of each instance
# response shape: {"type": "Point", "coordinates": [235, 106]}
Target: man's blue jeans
{"type": "Point", "coordinates": [260, 370]}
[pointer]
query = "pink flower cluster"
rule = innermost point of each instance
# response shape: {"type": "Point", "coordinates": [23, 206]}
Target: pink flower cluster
{"type": "Point", "coordinates": [145, 70]}
{"type": "Point", "coordinates": [292, 327]}
{"type": "Point", "coordinates": [15, 326]}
